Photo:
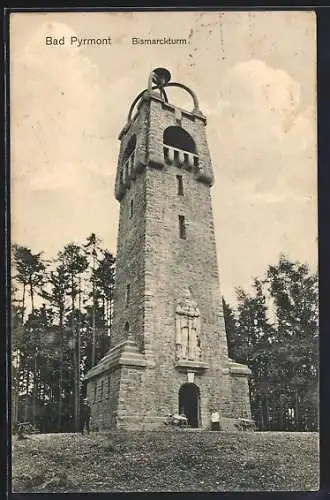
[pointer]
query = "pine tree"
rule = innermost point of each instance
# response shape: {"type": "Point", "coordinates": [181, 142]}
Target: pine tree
{"type": "Point", "coordinates": [295, 293]}
{"type": "Point", "coordinates": [58, 284]}
{"type": "Point", "coordinates": [29, 270]}
{"type": "Point", "coordinates": [104, 289]}
{"type": "Point", "coordinates": [74, 261]}
{"type": "Point", "coordinates": [92, 249]}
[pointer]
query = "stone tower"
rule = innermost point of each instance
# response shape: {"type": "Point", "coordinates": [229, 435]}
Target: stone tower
{"type": "Point", "coordinates": [168, 344]}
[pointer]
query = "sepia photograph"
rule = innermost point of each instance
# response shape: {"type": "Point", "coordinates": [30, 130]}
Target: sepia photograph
{"type": "Point", "coordinates": [164, 251]}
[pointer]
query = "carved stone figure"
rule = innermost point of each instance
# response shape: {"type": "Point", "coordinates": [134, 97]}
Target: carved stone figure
{"type": "Point", "coordinates": [184, 325]}
{"type": "Point", "coordinates": [188, 329]}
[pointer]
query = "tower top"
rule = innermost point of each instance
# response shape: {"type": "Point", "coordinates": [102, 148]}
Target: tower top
{"type": "Point", "coordinates": [158, 80]}
{"type": "Point", "coordinates": [158, 134]}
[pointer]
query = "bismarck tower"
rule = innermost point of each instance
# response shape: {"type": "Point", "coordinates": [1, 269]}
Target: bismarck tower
{"type": "Point", "coordinates": [168, 344]}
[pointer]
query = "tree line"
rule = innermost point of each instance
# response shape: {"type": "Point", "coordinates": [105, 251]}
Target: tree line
{"type": "Point", "coordinates": [61, 324]}
{"type": "Point", "coordinates": [62, 312]}
{"type": "Point", "coordinates": [274, 330]}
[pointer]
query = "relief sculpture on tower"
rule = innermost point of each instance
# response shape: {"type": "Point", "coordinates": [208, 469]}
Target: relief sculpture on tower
{"type": "Point", "coordinates": [188, 345]}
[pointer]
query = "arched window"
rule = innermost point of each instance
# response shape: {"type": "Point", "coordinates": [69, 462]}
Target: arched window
{"type": "Point", "coordinates": [126, 327]}
{"type": "Point", "coordinates": [178, 138]}
{"type": "Point", "coordinates": [129, 148]}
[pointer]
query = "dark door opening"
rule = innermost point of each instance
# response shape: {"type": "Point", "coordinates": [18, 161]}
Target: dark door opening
{"type": "Point", "coordinates": [189, 403]}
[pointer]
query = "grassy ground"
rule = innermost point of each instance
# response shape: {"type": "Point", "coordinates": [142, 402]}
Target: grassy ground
{"type": "Point", "coordinates": [166, 461]}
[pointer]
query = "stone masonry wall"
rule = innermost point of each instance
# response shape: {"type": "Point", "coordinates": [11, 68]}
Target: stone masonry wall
{"type": "Point", "coordinates": [130, 265]}
{"type": "Point", "coordinates": [241, 407]}
{"type": "Point", "coordinates": [139, 128]}
{"type": "Point", "coordinates": [103, 395]}
{"type": "Point", "coordinates": [173, 264]}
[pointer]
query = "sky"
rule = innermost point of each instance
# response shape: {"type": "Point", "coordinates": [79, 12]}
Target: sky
{"type": "Point", "coordinates": [255, 77]}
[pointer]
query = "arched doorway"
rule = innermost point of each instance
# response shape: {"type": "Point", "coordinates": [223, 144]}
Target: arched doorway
{"type": "Point", "coordinates": [189, 397]}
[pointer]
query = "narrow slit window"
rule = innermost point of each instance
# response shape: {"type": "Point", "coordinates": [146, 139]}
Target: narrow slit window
{"type": "Point", "coordinates": [182, 227]}
{"type": "Point", "coordinates": [109, 387]}
{"type": "Point", "coordinates": [180, 184]}
{"type": "Point", "coordinates": [128, 293]}
{"type": "Point", "coordinates": [131, 209]}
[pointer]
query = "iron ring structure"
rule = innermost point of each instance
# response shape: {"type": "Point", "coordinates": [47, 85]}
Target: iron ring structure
{"type": "Point", "coordinates": [159, 79]}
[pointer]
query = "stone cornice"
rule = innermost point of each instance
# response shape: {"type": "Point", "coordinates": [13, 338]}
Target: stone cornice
{"type": "Point", "coordinates": [124, 354]}
{"type": "Point", "coordinates": [191, 365]}
{"type": "Point", "coordinates": [238, 369]}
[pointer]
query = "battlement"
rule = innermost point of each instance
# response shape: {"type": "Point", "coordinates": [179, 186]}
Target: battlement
{"type": "Point", "coordinates": [180, 158]}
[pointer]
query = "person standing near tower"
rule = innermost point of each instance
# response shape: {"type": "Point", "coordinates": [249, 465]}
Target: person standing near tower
{"type": "Point", "coordinates": [85, 415]}
{"type": "Point", "coordinates": [215, 420]}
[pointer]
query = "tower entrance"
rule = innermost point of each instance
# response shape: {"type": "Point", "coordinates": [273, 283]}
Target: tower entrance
{"type": "Point", "coordinates": [189, 397]}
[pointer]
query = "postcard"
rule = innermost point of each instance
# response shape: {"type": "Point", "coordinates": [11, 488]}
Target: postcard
{"type": "Point", "coordinates": [164, 251]}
